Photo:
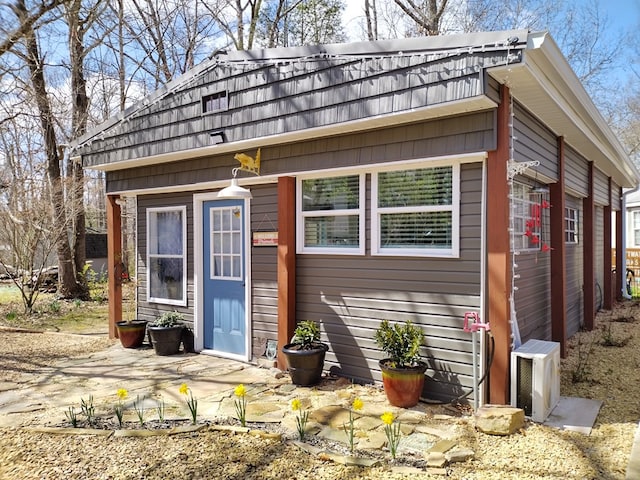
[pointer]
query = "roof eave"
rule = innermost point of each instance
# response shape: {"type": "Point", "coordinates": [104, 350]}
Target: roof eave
{"type": "Point", "coordinates": [554, 87]}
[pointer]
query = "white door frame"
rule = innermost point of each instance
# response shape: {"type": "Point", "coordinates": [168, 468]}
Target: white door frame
{"type": "Point", "coordinates": [198, 278]}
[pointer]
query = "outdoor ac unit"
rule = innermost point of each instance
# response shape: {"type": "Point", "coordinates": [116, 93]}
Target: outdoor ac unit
{"type": "Point", "coordinates": [535, 378]}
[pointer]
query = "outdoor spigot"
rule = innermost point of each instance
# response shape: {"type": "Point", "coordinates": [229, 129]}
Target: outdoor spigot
{"type": "Point", "coordinates": [472, 323]}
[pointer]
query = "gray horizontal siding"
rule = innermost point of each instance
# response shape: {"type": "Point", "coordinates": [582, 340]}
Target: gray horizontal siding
{"type": "Point", "coordinates": [264, 267]}
{"type": "Point", "coordinates": [532, 298]}
{"type": "Point", "coordinates": [272, 99]}
{"type": "Point", "coordinates": [534, 142]}
{"type": "Point", "coordinates": [350, 296]}
{"type": "Point", "coordinates": [576, 172]}
{"type": "Point", "coordinates": [616, 197]}
{"type": "Point", "coordinates": [599, 243]}
{"type": "Point", "coordinates": [451, 136]}
{"type": "Point", "coordinates": [600, 187]}
{"type": "Point", "coordinates": [575, 273]}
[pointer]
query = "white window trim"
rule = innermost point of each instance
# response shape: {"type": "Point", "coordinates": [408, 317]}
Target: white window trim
{"type": "Point", "coordinates": [167, 301]}
{"type": "Point", "coordinates": [634, 214]}
{"type": "Point", "coordinates": [517, 233]}
{"type": "Point", "coordinates": [360, 211]}
{"type": "Point", "coordinates": [454, 208]}
{"type": "Point", "coordinates": [572, 217]}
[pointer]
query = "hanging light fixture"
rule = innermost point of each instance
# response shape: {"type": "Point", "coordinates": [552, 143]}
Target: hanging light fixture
{"type": "Point", "coordinates": [234, 190]}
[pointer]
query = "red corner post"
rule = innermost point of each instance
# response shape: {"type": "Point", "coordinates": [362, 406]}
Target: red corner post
{"type": "Point", "coordinates": [498, 254]}
{"type": "Point", "coordinates": [558, 256]}
{"type": "Point", "coordinates": [588, 253]}
{"type": "Point", "coordinates": [114, 262]}
{"type": "Point", "coordinates": [607, 288]}
{"type": "Point", "coordinates": [286, 263]}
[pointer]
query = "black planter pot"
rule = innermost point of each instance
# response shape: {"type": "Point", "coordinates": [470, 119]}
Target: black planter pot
{"type": "Point", "coordinates": [305, 366]}
{"type": "Point", "coordinates": [166, 340]}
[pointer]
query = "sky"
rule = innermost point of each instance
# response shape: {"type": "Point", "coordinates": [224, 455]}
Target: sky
{"type": "Point", "coordinates": [622, 14]}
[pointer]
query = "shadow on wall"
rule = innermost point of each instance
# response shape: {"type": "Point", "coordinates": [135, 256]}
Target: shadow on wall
{"type": "Point", "coordinates": [443, 385]}
{"type": "Point", "coordinates": [349, 361]}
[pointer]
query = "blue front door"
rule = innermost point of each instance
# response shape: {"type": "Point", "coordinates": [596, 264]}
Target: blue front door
{"type": "Point", "coordinates": [224, 276]}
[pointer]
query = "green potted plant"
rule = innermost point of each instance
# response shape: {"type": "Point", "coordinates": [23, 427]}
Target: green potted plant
{"type": "Point", "coordinates": [305, 354]}
{"type": "Point", "coordinates": [402, 370]}
{"type": "Point", "coordinates": [166, 333]}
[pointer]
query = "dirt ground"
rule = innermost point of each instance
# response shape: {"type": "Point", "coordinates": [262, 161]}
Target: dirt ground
{"type": "Point", "coordinates": [602, 364]}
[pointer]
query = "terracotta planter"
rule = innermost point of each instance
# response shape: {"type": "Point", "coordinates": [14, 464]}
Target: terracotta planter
{"type": "Point", "coordinates": [131, 334]}
{"type": "Point", "coordinates": [403, 386]}
{"type": "Point", "coordinates": [305, 366]}
{"type": "Point", "coordinates": [166, 340]}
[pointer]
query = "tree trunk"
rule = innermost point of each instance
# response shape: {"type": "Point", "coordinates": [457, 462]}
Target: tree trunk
{"type": "Point", "coordinates": [77, 28]}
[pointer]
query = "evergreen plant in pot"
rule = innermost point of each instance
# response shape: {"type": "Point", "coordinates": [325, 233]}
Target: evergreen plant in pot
{"type": "Point", "coordinates": [166, 333]}
{"type": "Point", "coordinates": [402, 371]}
{"type": "Point", "coordinates": [305, 354]}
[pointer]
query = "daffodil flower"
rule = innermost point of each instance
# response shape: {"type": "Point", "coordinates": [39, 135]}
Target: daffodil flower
{"type": "Point", "coordinates": [240, 391]}
{"type": "Point", "coordinates": [241, 404]}
{"type": "Point", "coordinates": [122, 393]}
{"type": "Point", "coordinates": [349, 430]}
{"type": "Point", "coordinates": [192, 403]}
{"type": "Point", "coordinates": [301, 418]}
{"type": "Point", "coordinates": [387, 418]}
{"type": "Point", "coordinates": [392, 430]}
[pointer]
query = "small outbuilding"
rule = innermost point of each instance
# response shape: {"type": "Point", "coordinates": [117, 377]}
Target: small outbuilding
{"type": "Point", "coordinates": [424, 179]}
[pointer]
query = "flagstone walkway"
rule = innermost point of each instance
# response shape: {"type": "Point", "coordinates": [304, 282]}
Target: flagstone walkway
{"type": "Point", "coordinates": [42, 400]}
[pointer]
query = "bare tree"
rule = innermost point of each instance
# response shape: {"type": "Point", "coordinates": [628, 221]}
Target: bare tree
{"type": "Point", "coordinates": [28, 230]}
{"type": "Point", "coordinates": [371, 15]}
{"type": "Point", "coordinates": [427, 15]}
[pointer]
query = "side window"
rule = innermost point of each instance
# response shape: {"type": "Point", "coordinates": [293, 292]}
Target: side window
{"type": "Point", "coordinates": [331, 215]}
{"type": "Point", "coordinates": [527, 219]}
{"type": "Point", "coordinates": [570, 225]}
{"type": "Point", "coordinates": [166, 255]}
{"type": "Point", "coordinates": [215, 102]}
{"type": "Point", "coordinates": [416, 212]}
{"type": "Point", "coordinates": [636, 228]}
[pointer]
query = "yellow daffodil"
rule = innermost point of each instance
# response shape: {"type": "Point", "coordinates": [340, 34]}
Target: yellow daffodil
{"type": "Point", "coordinates": [240, 391]}
{"type": "Point", "coordinates": [184, 389]}
{"type": "Point", "coordinates": [357, 404]}
{"type": "Point", "coordinates": [295, 404]}
{"type": "Point", "coordinates": [387, 418]}
{"type": "Point", "coordinates": [122, 393]}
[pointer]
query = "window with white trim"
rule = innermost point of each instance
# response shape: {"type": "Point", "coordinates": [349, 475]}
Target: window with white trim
{"type": "Point", "coordinates": [526, 218]}
{"type": "Point", "coordinates": [636, 228]}
{"type": "Point", "coordinates": [166, 255]}
{"type": "Point", "coordinates": [331, 210]}
{"type": "Point", "coordinates": [415, 211]}
{"type": "Point", "coordinates": [570, 225]}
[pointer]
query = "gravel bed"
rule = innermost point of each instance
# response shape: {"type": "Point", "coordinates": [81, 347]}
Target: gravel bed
{"type": "Point", "coordinates": [606, 361]}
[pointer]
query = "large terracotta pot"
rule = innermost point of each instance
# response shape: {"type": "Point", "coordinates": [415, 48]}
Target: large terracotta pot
{"type": "Point", "coordinates": [403, 386]}
{"type": "Point", "coordinates": [305, 365]}
{"type": "Point", "coordinates": [131, 334]}
{"type": "Point", "coordinates": [166, 340]}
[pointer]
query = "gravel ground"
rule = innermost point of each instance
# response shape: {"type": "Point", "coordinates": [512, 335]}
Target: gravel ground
{"type": "Point", "coordinates": [605, 361]}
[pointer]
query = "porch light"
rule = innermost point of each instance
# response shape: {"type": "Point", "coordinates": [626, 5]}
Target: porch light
{"type": "Point", "coordinates": [234, 190]}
